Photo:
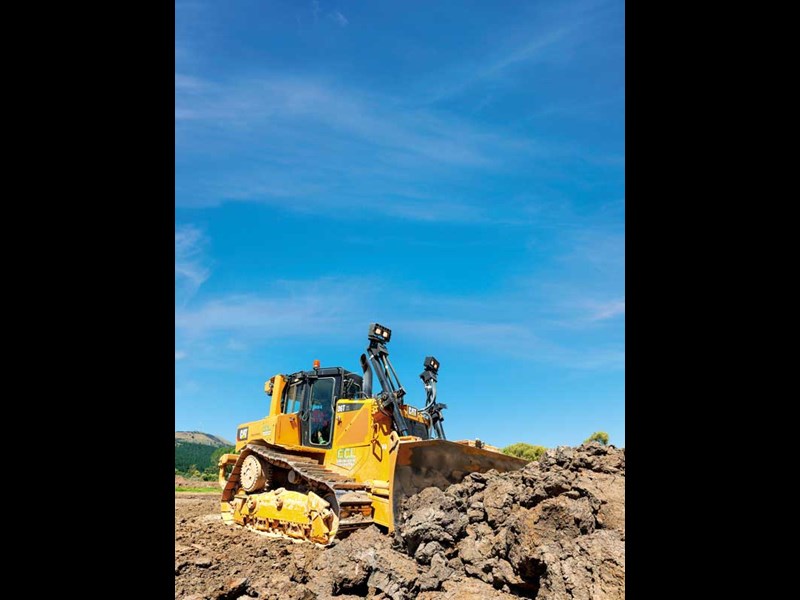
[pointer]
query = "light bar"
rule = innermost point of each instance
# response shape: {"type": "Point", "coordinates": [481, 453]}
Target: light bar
{"type": "Point", "coordinates": [431, 364]}
{"type": "Point", "coordinates": [379, 332]}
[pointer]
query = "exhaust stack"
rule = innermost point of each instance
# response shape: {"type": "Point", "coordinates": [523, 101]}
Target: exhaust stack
{"type": "Point", "coordinates": [366, 384]}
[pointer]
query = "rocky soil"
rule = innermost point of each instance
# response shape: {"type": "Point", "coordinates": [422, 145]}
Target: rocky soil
{"type": "Point", "coordinates": [554, 530]}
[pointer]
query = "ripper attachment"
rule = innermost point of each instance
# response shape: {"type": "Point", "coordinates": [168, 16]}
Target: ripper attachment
{"type": "Point", "coordinates": [392, 392]}
{"type": "Point", "coordinates": [432, 408]}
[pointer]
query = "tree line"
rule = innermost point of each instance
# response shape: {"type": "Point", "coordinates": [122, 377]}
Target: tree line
{"type": "Point", "coordinates": [198, 461]}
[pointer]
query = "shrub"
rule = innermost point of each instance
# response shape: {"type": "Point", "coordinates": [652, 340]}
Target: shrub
{"type": "Point", "coordinates": [526, 451]}
{"type": "Point", "coordinates": [598, 436]}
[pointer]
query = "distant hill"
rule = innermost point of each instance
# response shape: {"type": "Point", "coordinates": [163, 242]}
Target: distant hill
{"type": "Point", "coordinates": [195, 448]}
{"type": "Point", "coordinates": [198, 437]}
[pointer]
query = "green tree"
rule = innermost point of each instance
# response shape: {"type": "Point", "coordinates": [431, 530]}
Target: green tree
{"type": "Point", "coordinates": [526, 451]}
{"type": "Point", "coordinates": [200, 455]}
{"type": "Point", "coordinates": [189, 453]}
{"type": "Point", "coordinates": [219, 452]}
{"type": "Point", "coordinates": [598, 436]}
{"type": "Point", "coordinates": [210, 474]}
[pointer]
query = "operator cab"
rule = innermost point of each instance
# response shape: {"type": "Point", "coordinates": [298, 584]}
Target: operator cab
{"type": "Point", "coordinates": [313, 396]}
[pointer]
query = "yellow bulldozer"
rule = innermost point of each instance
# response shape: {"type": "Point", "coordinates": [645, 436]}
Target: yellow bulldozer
{"type": "Point", "coordinates": [332, 456]}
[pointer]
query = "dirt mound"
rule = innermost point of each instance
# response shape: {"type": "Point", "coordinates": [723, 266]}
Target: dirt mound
{"type": "Point", "coordinates": [553, 530]}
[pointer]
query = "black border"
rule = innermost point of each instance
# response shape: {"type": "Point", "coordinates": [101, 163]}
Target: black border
{"type": "Point", "coordinates": [110, 287]}
{"type": "Point", "coordinates": [125, 244]}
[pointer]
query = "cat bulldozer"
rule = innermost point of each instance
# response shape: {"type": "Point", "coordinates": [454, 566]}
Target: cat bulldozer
{"type": "Point", "coordinates": [332, 456]}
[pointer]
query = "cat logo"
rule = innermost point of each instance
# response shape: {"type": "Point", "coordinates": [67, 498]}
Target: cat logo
{"type": "Point", "coordinates": [243, 433]}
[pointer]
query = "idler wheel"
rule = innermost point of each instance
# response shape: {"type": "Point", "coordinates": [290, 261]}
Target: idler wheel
{"type": "Point", "coordinates": [253, 475]}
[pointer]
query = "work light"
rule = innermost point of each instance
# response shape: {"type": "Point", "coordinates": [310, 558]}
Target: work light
{"type": "Point", "coordinates": [379, 332]}
{"type": "Point", "coordinates": [431, 364]}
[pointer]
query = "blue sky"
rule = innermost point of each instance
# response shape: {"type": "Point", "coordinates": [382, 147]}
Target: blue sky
{"type": "Point", "coordinates": [453, 170]}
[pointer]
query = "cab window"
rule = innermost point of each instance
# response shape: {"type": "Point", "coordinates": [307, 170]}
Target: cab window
{"type": "Point", "coordinates": [351, 389]}
{"type": "Point", "coordinates": [292, 398]}
{"type": "Point", "coordinates": [321, 416]}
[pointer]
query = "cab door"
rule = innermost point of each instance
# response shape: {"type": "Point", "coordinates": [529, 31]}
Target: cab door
{"type": "Point", "coordinates": [289, 421]}
{"type": "Point", "coordinates": [318, 416]}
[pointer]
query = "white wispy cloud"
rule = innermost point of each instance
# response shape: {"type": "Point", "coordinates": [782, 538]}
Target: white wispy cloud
{"type": "Point", "coordinates": [603, 358]}
{"type": "Point", "coordinates": [466, 78]}
{"type": "Point", "coordinates": [599, 249]}
{"type": "Point", "coordinates": [528, 52]}
{"type": "Point", "coordinates": [187, 83]}
{"type": "Point", "coordinates": [513, 321]}
{"type": "Point", "coordinates": [607, 310]}
{"type": "Point", "coordinates": [289, 104]}
{"type": "Point", "coordinates": [342, 148]}
{"type": "Point", "coordinates": [278, 137]}
{"type": "Point", "coordinates": [494, 334]}
{"type": "Point", "coordinates": [236, 345]}
{"type": "Point", "coordinates": [244, 313]}
{"type": "Point", "coordinates": [339, 18]}
{"type": "Point", "coordinates": [190, 270]}
{"type": "Point", "coordinates": [291, 308]}
{"type": "Point", "coordinates": [556, 30]}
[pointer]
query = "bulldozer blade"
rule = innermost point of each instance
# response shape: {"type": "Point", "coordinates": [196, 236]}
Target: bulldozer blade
{"type": "Point", "coordinates": [440, 463]}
